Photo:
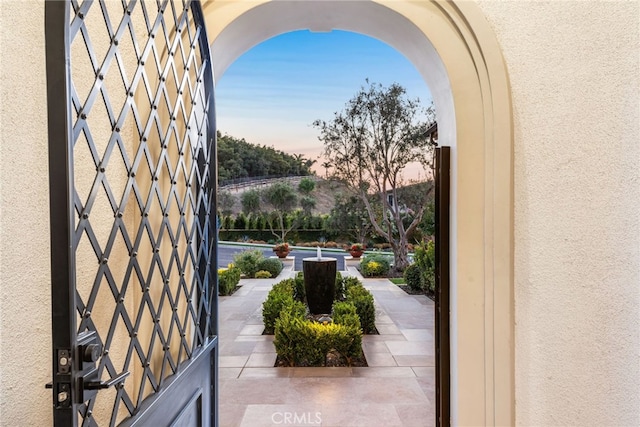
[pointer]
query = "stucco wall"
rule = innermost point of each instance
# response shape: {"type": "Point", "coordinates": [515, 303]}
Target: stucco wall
{"type": "Point", "coordinates": [574, 70]}
{"type": "Point", "coordinates": [24, 222]}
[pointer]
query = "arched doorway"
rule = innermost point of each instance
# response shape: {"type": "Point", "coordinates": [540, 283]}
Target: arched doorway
{"type": "Point", "coordinates": [455, 50]}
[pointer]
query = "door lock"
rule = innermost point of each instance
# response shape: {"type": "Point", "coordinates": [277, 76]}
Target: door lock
{"type": "Point", "coordinates": [88, 382]}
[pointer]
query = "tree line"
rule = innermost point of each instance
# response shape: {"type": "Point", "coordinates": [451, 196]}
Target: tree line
{"type": "Point", "coordinates": [238, 158]}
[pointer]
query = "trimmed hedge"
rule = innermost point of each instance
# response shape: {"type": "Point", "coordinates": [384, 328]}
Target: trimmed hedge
{"type": "Point", "coordinates": [301, 342]}
{"type": "Point", "coordinates": [362, 300]}
{"type": "Point", "coordinates": [279, 298]}
{"type": "Point", "coordinates": [299, 292]}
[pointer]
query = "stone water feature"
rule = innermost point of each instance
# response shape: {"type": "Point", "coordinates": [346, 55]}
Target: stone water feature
{"type": "Point", "coordinates": [319, 282]}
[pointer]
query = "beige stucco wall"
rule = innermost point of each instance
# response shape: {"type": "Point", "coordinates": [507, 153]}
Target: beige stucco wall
{"type": "Point", "coordinates": [24, 223]}
{"type": "Point", "coordinates": [574, 75]}
{"type": "Point", "coordinates": [575, 72]}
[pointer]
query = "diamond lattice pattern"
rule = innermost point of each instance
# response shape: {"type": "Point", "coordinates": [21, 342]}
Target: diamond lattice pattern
{"type": "Point", "coordinates": [143, 190]}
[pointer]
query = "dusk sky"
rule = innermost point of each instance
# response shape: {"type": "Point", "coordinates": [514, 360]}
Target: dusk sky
{"type": "Point", "coordinates": [273, 92]}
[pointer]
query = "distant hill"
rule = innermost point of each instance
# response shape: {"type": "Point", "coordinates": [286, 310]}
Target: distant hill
{"type": "Point", "coordinates": [239, 159]}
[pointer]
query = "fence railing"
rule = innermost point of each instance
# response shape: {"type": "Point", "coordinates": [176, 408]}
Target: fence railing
{"type": "Point", "coordinates": [259, 181]}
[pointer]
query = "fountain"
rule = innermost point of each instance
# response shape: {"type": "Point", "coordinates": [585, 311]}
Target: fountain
{"type": "Point", "coordinates": [319, 282]}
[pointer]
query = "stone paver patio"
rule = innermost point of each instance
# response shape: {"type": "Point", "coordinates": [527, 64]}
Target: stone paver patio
{"type": "Point", "coordinates": [396, 389]}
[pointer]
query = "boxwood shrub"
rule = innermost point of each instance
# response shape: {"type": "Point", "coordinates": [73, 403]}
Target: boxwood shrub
{"type": "Point", "coordinates": [413, 277]}
{"type": "Point", "coordinates": [425, 259]}
{"type": "Point", "coordinates": [272, 265]}
{"type": "Point", "coordinates": [228, 279]}
{"type": "Point", "coordinates": [362, 300]}
{"type": "Point", "coordinates": [301, 342]}
{"type": "Point", "coordinates": [279, 298]}
{"type": "Point", "coordinates": [299, 293]}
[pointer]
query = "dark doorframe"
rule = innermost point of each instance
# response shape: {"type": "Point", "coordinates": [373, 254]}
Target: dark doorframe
{"type": "Point", "coordinates": [442, 309]}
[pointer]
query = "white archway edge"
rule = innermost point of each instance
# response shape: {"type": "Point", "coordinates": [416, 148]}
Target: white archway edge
{"type": "Point", "coordinates": [456, 52]}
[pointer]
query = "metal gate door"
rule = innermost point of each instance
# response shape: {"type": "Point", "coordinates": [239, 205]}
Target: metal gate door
{"type": "Point", "coordinates": [133, 235]}
{"type": "Point", "coordinates": [442, 196]}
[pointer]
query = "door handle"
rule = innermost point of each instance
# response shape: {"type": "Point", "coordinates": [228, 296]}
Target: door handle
{"type": "Point", "coordinates": [100, 385]}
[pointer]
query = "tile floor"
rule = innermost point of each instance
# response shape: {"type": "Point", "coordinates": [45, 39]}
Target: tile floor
{"type": "Point", "coordinates": [396, 389]}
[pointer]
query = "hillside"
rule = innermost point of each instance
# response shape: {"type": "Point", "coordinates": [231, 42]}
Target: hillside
{"type": "Point", "coordinates": [239, 160]}
{"type": "Point", "coordinates": [324, 193]}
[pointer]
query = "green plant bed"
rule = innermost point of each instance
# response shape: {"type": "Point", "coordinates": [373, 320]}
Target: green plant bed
{"type": "Point", "coordinates": [302, 340]}
{"type": "Point", "coordinates": [375, 265]}
{"type": "Point", "coordinates": [397, 280]}
{"type": "Point", "coordinates": [252, 261]}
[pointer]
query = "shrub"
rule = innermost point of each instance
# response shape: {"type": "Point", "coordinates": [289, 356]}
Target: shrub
{"type": "Point", "coordinates": [342, 309]}
{"type": "Point", "coordinates": [300, 342]}
{"type": "Point", "coordinates": [272, 265]}
{"type": "Point", "coordinates": [227, 222]}
{"type": "Point", "coordinates": [362, 300]}
{"type": "Point", "coordinates": [339, 296]}
{"type": "Point", "coordinates": [374, 265]}
{"type": "Point", "coordinates": [285, 286]}
{"type": "Point", "coordinates": [345, 315]}
{"type": "Point", "coordinates": [271, 309]}
{"type": "Point", "coordinates": [413, 277]}
{"type": "Point", "coordinates": [286, 341]}
{"type": "Point", "coordinates": [299, 292]}
{"type": "Point", "coordinates": [228, 279]}
{"type": "Point", "coordinates": [241, 222]}
{"type": "Point", "coordinates": [359, 302]}
{"type": "Point", "coordinates": [278, 300]}
{"type": "Point", "coordinates": [425, 259]}
{"type": "Point", "coordinates": [247, 261]}
{"type": "Point", "coordinates": [263, 274]}
{"type": "Point", "coordinates": [350, 281]}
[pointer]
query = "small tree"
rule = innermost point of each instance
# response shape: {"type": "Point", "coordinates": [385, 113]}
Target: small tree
{"type": "Point", "coordinates": [349, 217]}
{"type": "Point", "coordinates": [250, 200]}
{"type": "Point", "coordinates": [306, 186]}
{"type": "Point", "coordinates": [282, 199]}
{"type": "Point", "coordinates": [326, 166]}
{"type": "Point", "coordinates": [226, 202]}
{"type": "Point", "coordinates": [307, 202]}
{"type": "Point", "coordinates": [369, 145]}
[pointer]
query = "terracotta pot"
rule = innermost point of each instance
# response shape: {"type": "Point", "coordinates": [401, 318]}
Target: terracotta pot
{"type": "Point", "coordinates": [282, 254]}
{"type": "Point", "coordinates": [356, 254]}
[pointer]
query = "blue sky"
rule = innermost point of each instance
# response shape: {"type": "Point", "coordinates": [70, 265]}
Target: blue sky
{"type": "Point", "coordinates": [273, 92]}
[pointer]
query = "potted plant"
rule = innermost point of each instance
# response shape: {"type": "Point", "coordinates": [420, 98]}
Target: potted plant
{"type": "Point", "coordinates": [282, 250]}
{"type": "Point", "coordinates": [356, 250]}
